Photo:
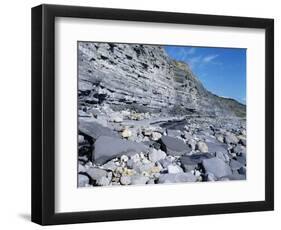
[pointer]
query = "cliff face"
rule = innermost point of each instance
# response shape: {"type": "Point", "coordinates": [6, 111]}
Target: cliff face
{"type": "Point", "coordinates": [145, 79]}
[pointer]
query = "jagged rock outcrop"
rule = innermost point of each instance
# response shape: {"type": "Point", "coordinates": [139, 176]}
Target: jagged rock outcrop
{"type": "Point", "coordinates": [145, 79]}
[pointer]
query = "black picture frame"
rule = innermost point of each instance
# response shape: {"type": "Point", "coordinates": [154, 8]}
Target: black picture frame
{"type": "Point", "coordinates": [43, 114]}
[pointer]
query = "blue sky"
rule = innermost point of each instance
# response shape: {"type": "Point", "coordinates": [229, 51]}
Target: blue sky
{"type": "Point", "coordinates": [221, 70]}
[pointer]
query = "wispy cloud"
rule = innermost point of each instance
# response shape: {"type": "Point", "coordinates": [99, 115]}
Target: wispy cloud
{"type": "Point", "coordinates": [193, 56]}
{"type": "Point", "coordinates": [210, 58]}
{"type": "Point", "coordinates": [199, 61]}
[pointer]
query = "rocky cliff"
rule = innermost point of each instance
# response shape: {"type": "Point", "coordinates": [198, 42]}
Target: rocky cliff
{"type": "Point", "coordinates": [145, 79]}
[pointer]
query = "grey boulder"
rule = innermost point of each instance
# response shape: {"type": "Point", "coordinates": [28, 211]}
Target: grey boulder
{"type": "Point", "coordinates": [217, 167]}
{"type": "Point", "coordinates": [107, 148]}
{"type": "Point", "coordinates": [230, 138]}
{"type": "Point", "coordinates": [96, 173]}
{"type": "Point", "coordinates": [188, 164]}
{"type": "Point", "coordinates": [94, 130]}
{"type": "Point", "coordinates": [197, 158]}
{"type": "Point", "coordinates": [217, 147]}
{"type": "Point", "coordinates": [174, 146]}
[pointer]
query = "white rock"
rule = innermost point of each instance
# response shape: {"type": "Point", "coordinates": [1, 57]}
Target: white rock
{"type": "Point", "coordinates": [220, 138]}
{"type": "Point", "coordinates": [197, 173]}
{"type": "Point", "coordinates": [156, 155]}
{"type": "Point", "coordinates": [202, 147]}
{"type": "Point", "coordinates": [126, 113]}
{"type": "Point", "coordinates": [125, 180]}
{"type": "Point", "coordinates": [135, 158]}
{"type": "Point", "coordinates": [126, 133]}
{"type": "Point", "coordinates": [124, 158]}
{"type": "Point", "coordinates": [117, 118]}
{"type": "Point", "coordinates": [80, 139]}
{"type": "Point", "coordinates": [174, 169]}
{"type": "Point", "coordinates": [155, 136]}
{"type": "Point", "coordinates": [147, 132]}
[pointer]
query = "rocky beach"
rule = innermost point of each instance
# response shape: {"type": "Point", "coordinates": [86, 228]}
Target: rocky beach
{"type": "Point", "coordinates": [144, 118]}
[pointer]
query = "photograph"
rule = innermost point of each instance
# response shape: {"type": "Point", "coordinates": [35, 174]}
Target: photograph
{"type": "Point", "coordinates": [160, 114]}
{"type": "Point", "coordinates": [142, 113]}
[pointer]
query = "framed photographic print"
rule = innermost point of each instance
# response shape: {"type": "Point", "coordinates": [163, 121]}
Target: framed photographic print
{"type": "Point", "coordinates": [142, 114]}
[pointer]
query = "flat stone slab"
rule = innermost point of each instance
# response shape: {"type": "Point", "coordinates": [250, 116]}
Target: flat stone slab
{"type": "Point", "coordinates": [198, 157]}
{"type": "Point", "coordinates": [217, 167]}
{"type": "Point", "coordinates": [96, 173]}
{"type": "Point", "coordinates": [107, 148]}
{"type": "Point", "coordinates": [235, 165]}
{"type": "Point", "coordinates": [174, 133]}
{"type": "Point", "coordinates": [191, 162]}
{"type": "Point", "coordinates": [188, 164]}
{"type": "Point", "coordinates": [216, 147]}
{"type": "Point", "coordinates": [174, 146]}
{"type": "Point", "coordinates": [94, 129]}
